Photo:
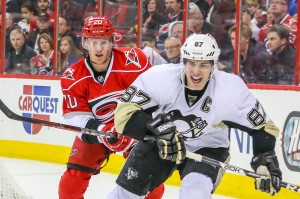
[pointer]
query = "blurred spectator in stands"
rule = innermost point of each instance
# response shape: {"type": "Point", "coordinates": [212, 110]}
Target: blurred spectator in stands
{"type": "Point", "coordinates": [72, 12]}
{"type": "Point", "coordinates": [261, 18]}
{"type": "Point", "coordinates": [152, 17]}
{"type": "Point", "coordinates": [196, 23]}
{"type": "Point", "coordinates": [68, 54]}
{"type": "Point", "coordinates": [154, 57]}
{"type": "Point", "coordinates": [253, 6]}
{"type": "Point", "coordinates": [149, 39]}
{"type": "Point", "coordinates": [295, 16]}
{"type": "Point", "coordinates": [63, 30]}
{"type": "Point", "coordinates": [13, 7]}
{"type": "Point", "coordinates": [43, 7]}
{"type": "Point", "coordinates": [203, 6]}
{"type": "Point", "coordinates": [172, 50]}
{"type": "Point", "coordinates": [176, 30]}
{"type": "Point", "coordinates": [130, 41]}
{"type": "Point", "coordinates": [252, 54]}
{"type": "Point", "coordinates": [279, 8]}
{"type": "Point", "coordinates": [293, 7]}
{"type": "Point", "coordinates": [122, 14]}
{"type": "Point", "coordinates": [173, 12]}
{"type": "Point", "coordinates": [9, 26]}
{"type": "Point", "coordinates": [281, 64]}
{"type": "Point", "coordinates": [28, 13]}
{"type": "Point", "coordinates": [270, 17]}
{"type": "Point", "coordinates": [223, 17]}
{"type": "Point", "coordinates": [246, 19]}
{"type": "Point", "coordinates": [91, 9]}
{"type": "Point", "coordinates": [42, 64]}
{"type": "Point", "coordinates": [43, 23]}
{"type": "Point", "coordinates": [20, 54]}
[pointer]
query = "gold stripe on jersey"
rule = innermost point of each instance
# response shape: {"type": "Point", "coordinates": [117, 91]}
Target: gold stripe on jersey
{"type": "Point", "coordinates": [270, 128]}
{"type": "Point", "coordinates": [220, 125]}
{"type": "Point", "coordinates": [123, 113]}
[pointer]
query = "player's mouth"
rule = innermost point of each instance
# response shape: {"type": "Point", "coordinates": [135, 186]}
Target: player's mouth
{"type": "Point", "coordinates": [196, 79]}
{"type": "Point", "coordinates": [98, 55]}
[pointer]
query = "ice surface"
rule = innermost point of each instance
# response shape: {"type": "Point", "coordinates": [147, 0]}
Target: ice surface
{"type": "Point", "coordinates": [40, 180]}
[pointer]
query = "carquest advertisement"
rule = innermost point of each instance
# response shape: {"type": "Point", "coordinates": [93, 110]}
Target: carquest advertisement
{"type": "Point", "coordinates": [42, 99]}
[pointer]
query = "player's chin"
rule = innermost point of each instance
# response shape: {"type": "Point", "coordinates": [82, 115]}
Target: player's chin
{"type": "Point", "coordinates": [197, 85]}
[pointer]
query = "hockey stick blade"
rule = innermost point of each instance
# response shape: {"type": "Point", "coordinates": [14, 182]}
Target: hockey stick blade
{"type": "Point", "coordinates": [11, 115]}
{"type": "Point", "coordinates": [235, 169]}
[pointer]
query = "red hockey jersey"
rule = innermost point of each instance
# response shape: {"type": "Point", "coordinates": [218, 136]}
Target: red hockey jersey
{"type": "Point", "coordinates": [86, 95]}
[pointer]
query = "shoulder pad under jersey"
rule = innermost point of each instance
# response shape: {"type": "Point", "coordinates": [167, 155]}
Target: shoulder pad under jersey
{"type": "Point", "coordinates": [75, 73]}
{"type": "Point", "coordinates": [130, 59]}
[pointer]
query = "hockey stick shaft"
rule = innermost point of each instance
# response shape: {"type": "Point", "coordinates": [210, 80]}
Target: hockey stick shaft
{"type": "Point", "coordinates": [235, 169]}
{"type": "Point", "coordinates": [10, 114]}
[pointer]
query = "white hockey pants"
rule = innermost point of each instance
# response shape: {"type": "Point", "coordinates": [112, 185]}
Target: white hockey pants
{"type": "Point", "coordinates": [196, 185]}
{"type": "Point", "coordinates": [121, 193]}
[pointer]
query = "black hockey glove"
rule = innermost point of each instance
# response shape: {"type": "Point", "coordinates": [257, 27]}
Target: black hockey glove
{"type": "Point", "coordinates": [170, 143]}
{"type": "Point", "coordinates": [266, 165]}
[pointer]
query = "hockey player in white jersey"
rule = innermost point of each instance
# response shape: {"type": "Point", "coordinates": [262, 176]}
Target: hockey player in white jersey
{"type": "Point", "coordinates": [195, 105]}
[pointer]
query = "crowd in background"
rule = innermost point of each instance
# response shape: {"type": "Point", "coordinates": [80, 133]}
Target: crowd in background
{"type": "Point", "coordinates": [267, 42]}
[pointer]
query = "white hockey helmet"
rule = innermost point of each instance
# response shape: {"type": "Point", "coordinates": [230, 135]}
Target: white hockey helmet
{"type": "Point", "coordinates": [200, 47]}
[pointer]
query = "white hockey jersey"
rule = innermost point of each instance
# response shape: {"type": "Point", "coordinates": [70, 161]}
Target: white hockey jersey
{"type": "Point", "coordinates": [226, 102]}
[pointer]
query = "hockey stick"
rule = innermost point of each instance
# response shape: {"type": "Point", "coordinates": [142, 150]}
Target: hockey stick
{"type": "Point", "coordinates": [235, 169]}
{"type": "Point", "coordinates": [10, 114]}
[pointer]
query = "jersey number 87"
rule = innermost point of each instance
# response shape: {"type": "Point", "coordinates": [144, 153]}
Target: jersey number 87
{"type": "Point", "coordinates": [131, 92]}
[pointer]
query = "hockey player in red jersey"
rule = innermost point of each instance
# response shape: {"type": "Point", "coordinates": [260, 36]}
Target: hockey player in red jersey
{"type": "Point", "coordinates": [91, 88]}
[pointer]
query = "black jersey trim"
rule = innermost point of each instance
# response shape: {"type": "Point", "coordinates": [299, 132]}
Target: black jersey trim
{"type": "Point", "coordinates": [198, 93]}
{"type": "Point", "coordinates": [262, 140]}
{"type": "Point", "coordinates": [136, 125]}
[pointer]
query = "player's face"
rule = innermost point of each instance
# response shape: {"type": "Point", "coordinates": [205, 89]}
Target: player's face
{"type": "Point", "coordinates": [99, 49]}
{"type": "Point", "coordinates": [197, 73]}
